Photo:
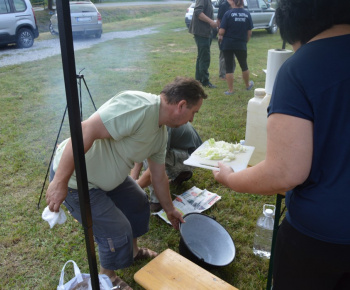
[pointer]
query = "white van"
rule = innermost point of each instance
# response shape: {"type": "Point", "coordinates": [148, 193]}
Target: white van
{"type": "Point", "coordinates": [17, 23]}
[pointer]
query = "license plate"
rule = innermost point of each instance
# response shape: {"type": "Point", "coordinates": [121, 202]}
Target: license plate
{"type": "Point", "coordinates": [83, 19]}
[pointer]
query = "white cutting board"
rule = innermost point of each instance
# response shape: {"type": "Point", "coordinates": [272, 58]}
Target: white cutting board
{"type": "Point", "coordinates": [238, 164]}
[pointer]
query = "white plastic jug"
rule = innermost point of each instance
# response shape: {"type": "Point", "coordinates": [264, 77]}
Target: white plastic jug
{"type": "Point", "coordinates": [255, 134]}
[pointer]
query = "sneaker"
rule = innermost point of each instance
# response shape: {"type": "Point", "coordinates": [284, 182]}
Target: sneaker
{"type": "Point", "coordinates": [210, 86]}
{"type": "Point", "coordinates": [155, 206]}
{"type": "Point", "coordinates": [228, 93]}
{"type": "Point", "coordinates": [183, 176]}
{"type": "Point", "coordinates": [251, 84]}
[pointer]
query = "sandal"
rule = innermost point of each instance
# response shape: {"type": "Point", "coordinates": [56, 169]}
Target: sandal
{"type": "Point", "coordinates": [145, 253]}
{"type": "Point", "coordinates": [118, 283]}
{"type": "Point", "coordinates": [228, 93]}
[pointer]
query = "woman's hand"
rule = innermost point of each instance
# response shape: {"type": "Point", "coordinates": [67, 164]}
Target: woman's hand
{"type": "Point", "coordinates": [222, 175]}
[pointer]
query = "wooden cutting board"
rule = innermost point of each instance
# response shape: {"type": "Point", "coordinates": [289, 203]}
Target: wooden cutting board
{"type": "Point", "coordinates": [169, 270]}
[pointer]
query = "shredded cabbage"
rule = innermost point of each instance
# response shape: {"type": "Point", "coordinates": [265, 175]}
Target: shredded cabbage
{"type": "Point", "coordinates": [220, 150]}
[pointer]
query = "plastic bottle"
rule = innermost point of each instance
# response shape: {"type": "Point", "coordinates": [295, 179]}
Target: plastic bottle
{"type": "Point", "coordinates": [255, 134]}
{"type": "Point", "coordinates": [264, 231]}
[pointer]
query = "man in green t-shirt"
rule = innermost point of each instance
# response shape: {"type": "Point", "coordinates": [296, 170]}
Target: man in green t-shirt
{"type": "Point", "coordinates": [128, 128]}
{"type": "Point", "coordinates": [182, 142]}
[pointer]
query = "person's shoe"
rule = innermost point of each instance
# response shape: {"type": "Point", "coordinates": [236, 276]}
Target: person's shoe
{"type": "Point", "coordinates": [228, 93]}
{"type": "Point", "coordinates": [183, 176]}
{"type": "Point", "coordinates": [155, 206]}
{"type": "Point", "coordinates": [210, 86]}
{"type": "Point", "coordinates": [144, 254]}
{"type": "Point", "coordinates": [223, 78]}
{"type": "Point", "coordinates": [118, 283]}
{"type": "Point", "coordinates": [251, 85]}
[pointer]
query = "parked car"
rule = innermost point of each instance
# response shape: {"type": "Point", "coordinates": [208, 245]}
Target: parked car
{"type": "Point", "coordinates": [17, 23]}
{"type": "Point", "coordinates": [263, 15]}
{"type": "Point", "coordinates": [85, 18]}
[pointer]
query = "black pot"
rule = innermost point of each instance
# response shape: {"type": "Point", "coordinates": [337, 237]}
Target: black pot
{"type": "Point", "coordinates": [205, 242]}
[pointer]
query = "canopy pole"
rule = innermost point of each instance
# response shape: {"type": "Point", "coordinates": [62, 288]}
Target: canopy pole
{"type": "Point", "coordinates": [70, 81]}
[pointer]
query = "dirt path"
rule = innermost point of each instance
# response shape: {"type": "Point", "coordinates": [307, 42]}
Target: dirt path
{"type": "Point", "coordinates": [46, 48]}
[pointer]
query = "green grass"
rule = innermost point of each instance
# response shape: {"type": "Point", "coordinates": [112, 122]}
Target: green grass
{"type": "Point", "coordinates": [32, 102]}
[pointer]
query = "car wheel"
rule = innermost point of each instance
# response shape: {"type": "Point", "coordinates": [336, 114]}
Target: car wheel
{"type": "Point", "coordinates": [98, 34]}
{"type": "Point", "coordinates": [273, 28]}
{"type": "Point", "coordinates": [52, 31]}
{"type": "Point", "coordinates": [25, 38]}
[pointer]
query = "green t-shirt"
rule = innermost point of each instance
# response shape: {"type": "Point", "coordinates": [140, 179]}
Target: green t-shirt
{"type": "Point", "coordinates": [132, 119]}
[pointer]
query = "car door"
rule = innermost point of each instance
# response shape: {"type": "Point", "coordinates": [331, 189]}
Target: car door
{"type": "Point", "coordinates": [260, 12]}
{"type": "Point", "coordinates": [7, 19]}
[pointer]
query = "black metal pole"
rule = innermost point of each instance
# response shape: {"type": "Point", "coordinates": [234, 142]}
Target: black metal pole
{"type": "Point", "coordinates": [278, 215]}
{"type": "Point", "coordinates": [70, 81]}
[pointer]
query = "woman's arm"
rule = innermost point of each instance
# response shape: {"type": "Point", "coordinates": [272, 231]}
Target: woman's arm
{"type": "Point", "coordinates": [288, 159]}
{"type": "Point", "coordinates": [249, 35]}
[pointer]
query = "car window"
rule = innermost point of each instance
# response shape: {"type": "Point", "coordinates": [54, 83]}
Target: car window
{"type": "Point", "coordinates": [253, 4]}
{"type": "Point", "coordinates": [4, 6]}
{"type": "Point", "coordinates": [262, 4]}
{"type": "Point", "coordinates": [82, 8]}
{"type": "Point", "coordinates": [20, 5]}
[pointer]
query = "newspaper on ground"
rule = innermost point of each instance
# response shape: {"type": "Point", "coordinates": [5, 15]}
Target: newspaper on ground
{"type": "Point", "coordinates": [192, 200]}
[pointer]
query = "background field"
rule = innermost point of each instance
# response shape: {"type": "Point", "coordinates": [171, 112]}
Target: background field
{"type": "Point", "coordinates": [32, 102]}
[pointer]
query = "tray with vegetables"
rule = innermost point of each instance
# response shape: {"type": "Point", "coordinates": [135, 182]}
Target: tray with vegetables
{"type": "Point", "coordinates": [211, 152]}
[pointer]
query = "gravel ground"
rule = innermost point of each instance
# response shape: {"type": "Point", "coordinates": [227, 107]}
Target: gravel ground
{"type": "Point", "coordinates": [46, 48]}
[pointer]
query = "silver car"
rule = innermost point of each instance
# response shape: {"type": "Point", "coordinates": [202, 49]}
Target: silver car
{"type": "Point", "coordinates": [17, 23]}
{"type": "Point", "coordinates": [85, 18]}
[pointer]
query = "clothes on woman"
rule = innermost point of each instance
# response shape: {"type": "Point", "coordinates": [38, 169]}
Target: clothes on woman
{"type": "Point", "coordinates": [224, 6]}
{"type": "Point", "coordinates": [234, 34]}
{"type": "Point", "coordinates": [308, 141]}
{"type": "Point", "coordinates": [307, 86]}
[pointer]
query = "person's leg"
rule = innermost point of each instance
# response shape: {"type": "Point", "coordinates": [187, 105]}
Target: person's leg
{"type": "Point", "coordinates": [229, 81]}
{"type": "Point", "coordinates": [197, 74]}
{"type": "Point", "coordinates": [242, 60]}
{"type": "Point", "coordinates": [245, 75]}
{"type": "Point", "coordinates": [176, 170]}
{"type": "Point", "coordinates": [229, 56]}
{"type": "Point", "coordinates": [222, 67]}
{"type": "Point", "coordinates": [203, 59]}
{"type": "Point", "coordinates": [152, 196]}
{"type": "Point", "coordinates": [112, 230]}
{"type": "Point", "coordinates": [302, 262]}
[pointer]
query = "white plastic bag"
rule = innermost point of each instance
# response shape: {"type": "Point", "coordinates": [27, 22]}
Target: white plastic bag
{"type": "Point", "coordinates": [82, 281]}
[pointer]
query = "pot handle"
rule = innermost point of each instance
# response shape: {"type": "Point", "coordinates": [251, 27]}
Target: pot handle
{"type": "Point", "coordinates": [198, 256]}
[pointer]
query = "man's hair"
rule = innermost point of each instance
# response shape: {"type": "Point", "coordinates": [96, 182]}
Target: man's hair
{"type": "Point", "coordinates": [301, 20]}
{"type": "Point", "coordinates": [183, 88]}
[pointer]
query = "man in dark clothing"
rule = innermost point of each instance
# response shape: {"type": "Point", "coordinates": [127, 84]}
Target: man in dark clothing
{"type": "Point", "coordinates": [201, 26]}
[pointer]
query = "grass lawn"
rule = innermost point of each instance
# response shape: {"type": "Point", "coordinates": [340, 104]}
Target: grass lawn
{"type": "Point", "coordinates": [32, 102]}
